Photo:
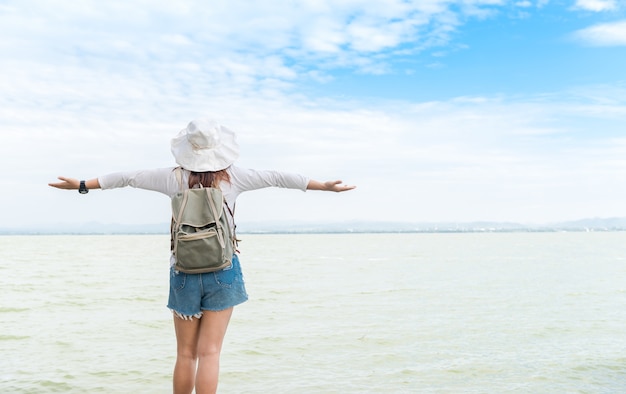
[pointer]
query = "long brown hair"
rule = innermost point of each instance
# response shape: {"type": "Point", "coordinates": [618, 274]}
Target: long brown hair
{"type": "Point", "coordinates": [208, 178]}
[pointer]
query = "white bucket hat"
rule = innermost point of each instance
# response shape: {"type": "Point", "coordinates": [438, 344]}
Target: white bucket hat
{"type": "Point", "coordinates": [205, 145]}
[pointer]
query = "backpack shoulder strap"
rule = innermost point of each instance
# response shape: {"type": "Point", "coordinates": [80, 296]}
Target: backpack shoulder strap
{"type": "Point", "coordinates": [179, 177]}
{"type": "Point", "coordinates": [234, 235]}
{"type": "Point", "coordinates": [231, 211]}
{"type": "Point", "coordinates": [178, 171]}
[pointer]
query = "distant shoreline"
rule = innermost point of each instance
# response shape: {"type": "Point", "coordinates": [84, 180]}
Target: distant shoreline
{"type": "Point", "coordinates": [583, 225]}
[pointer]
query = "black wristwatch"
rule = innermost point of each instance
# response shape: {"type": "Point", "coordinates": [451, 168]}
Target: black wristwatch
{"type": "Point", "coordinates": [83, 189]}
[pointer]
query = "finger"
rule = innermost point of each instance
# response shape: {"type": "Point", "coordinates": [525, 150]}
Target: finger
{"type": "Point", "coordinates": [65, 183]}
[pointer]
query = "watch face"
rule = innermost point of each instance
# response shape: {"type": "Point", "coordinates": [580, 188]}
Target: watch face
{"type": "Point", "coordinates": [82, 189]}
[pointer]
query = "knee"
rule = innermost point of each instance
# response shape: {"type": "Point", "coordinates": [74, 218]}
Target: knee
{"type": "Point", "coordinates": [187, 354]}
{"type": "Point", "coordinates": [209, 351]}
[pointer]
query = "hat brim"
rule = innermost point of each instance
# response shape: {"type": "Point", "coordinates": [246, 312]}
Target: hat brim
{"type": "Point", "coordinates": [202, 160]}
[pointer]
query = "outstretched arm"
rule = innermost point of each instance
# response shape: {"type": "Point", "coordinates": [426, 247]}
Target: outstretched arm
{"type": "Point", "coordinates": [73, 184]}
{"type": "Point", "coordinates": [330, 186]}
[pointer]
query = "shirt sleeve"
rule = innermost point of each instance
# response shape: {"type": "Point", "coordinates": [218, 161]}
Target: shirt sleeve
{"type": "Point", "coordinates": [244, 179]}
{"type": "Point", "coordinates": [164, 180]}
{"type": "Point", "coordinates": [161, 180]}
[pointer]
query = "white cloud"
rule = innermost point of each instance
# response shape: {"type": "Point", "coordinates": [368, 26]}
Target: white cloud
{"type": "Point", "coordinates": [93, 87]}
{"type": "Point", "coordinates": [596, 5]}
{"type": "Point", "coordinates": [468, 158]}
{"type": "Point", "coordinates": [326, 33]}
{"type": "Point", "coordinates": [604, 34]}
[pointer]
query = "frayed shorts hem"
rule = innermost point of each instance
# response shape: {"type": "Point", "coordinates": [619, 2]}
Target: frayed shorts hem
{"type": "Point", "coordinates": [186, 317]}
{"type": "Point", "coordinates": [199, 314]}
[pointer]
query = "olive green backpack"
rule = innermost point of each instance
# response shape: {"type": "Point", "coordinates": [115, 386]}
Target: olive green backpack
{"type": "Point", "coordinates": [202, 240]}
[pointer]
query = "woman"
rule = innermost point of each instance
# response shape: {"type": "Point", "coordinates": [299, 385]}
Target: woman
{"type": "Point", "coordinates": [202, 304]}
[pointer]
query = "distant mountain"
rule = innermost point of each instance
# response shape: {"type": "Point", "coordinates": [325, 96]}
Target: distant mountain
{"type": "Point", "coordinates": [596, 224]}
{"type": "Point", "coordinates": [591, 224]}
{"type": "Point", "coordinates": [606, 224]}
{"type": "Point", "coordinates": [372, 227]}
{"type": "Point", "coordinates": [92, 228]}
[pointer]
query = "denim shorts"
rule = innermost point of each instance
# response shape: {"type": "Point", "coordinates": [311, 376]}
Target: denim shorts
{"type": "Point", "coordinates": [190, 294]}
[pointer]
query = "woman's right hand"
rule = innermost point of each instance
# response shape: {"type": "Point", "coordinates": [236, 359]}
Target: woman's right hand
{"type": "Point", "coordinates": [66, 183]}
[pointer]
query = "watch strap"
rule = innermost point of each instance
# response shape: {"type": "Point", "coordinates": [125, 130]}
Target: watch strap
{"type": "Point", "coordinates": [82, 189]}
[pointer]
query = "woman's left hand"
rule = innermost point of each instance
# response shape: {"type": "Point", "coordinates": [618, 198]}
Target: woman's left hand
{"type": "Point", "coordinates": [329, 186]}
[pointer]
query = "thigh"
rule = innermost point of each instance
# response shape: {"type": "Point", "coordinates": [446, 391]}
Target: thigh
{"type": "Point", "coordinates": [213, 325]}
{"type": "Point", "coordinates": [187, 334]}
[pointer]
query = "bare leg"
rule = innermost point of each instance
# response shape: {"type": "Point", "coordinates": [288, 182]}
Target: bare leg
{"type": "Point", "coordinates": [212, 331]}
{"type": "Point", "coordinates": [199, 339]}
{"type": "Point", "coordinates": [186, 354]}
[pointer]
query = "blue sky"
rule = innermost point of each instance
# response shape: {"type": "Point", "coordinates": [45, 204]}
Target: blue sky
{"type": "Point", "coordinates": [436, 110]}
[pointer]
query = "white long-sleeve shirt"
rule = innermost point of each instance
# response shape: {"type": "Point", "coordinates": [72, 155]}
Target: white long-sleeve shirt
{"type": "Point", "coordinates": [163, 180]}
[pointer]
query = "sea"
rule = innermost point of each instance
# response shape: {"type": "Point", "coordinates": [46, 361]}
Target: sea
{"type": "Point", "coordinates": [328, 313]}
